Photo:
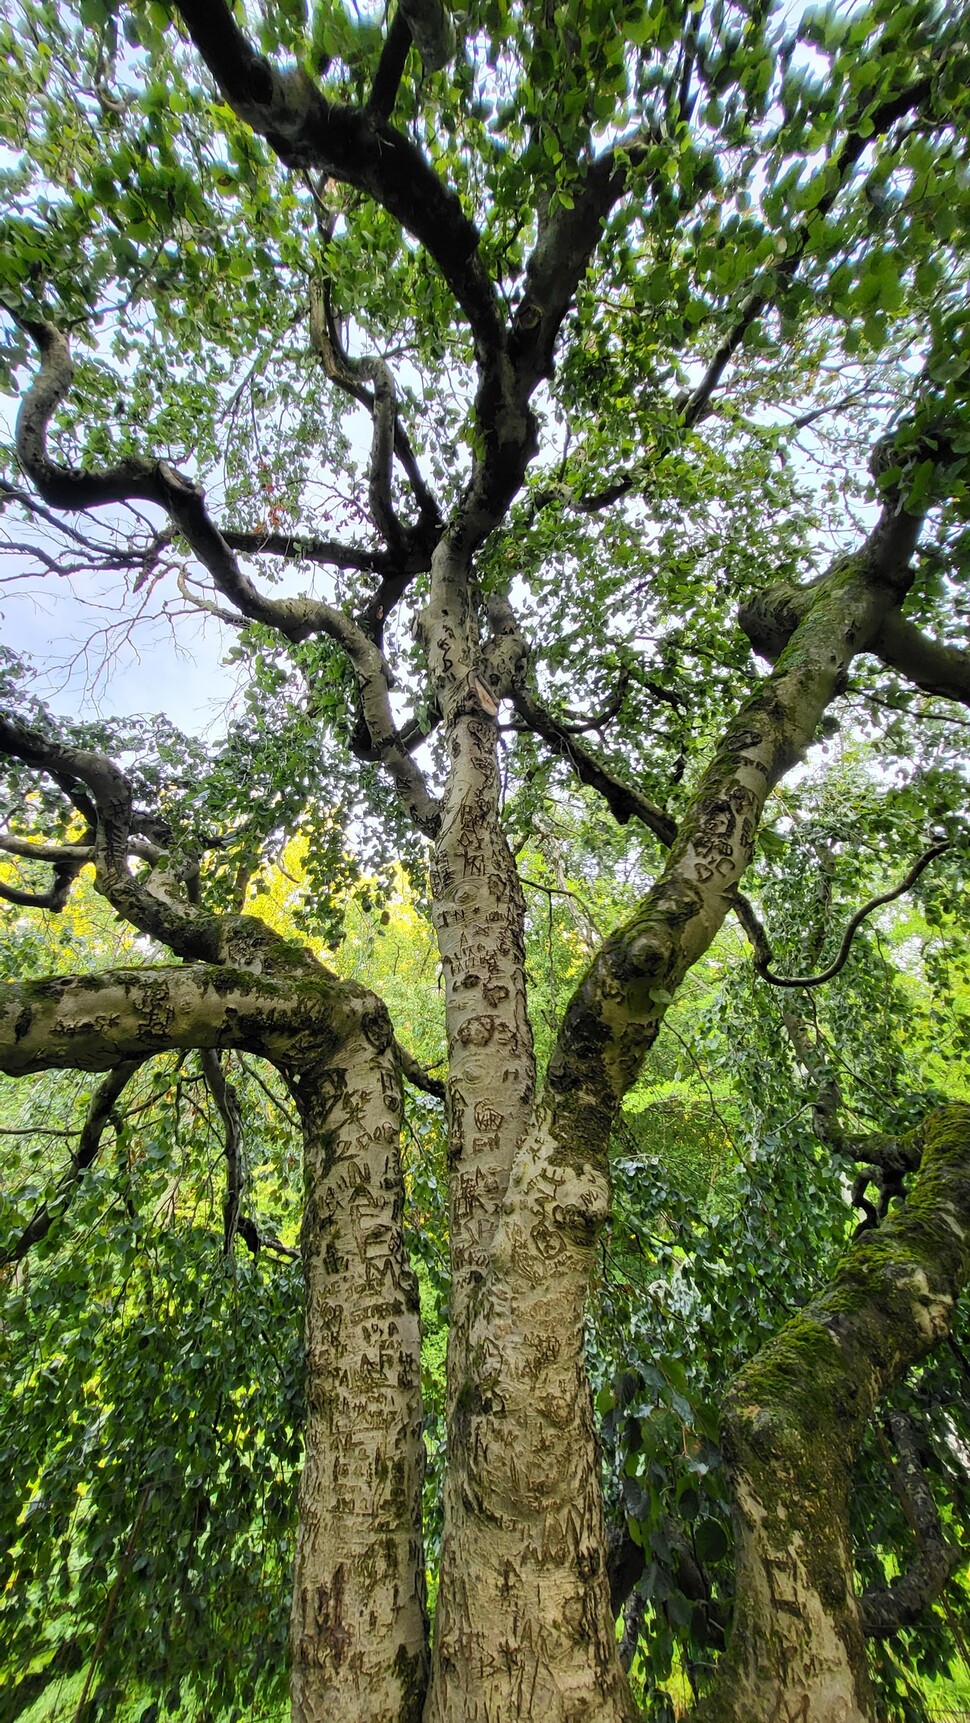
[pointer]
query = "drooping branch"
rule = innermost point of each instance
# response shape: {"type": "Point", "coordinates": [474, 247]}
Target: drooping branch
{"type": "Point", "coordinates": [762, 947]}
{"type": "Point", "coordinates": [56, 895]}
{"type": "Point", "coordinates": [227, 1103]}
{"type": "Point", "coordinates": [505, 658]}
{"type": "Point", "coordinates": [694, 404]}
{"type": "Point", "coordinates": [99, 1115]}
{"type": "Point", "coordinates": [159, 905]}
{"type": "Point", "coordinates": [624, 802]}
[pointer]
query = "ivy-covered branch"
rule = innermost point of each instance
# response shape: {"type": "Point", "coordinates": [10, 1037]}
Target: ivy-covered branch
{"type": "Point", "coordinates": [791, 1429]}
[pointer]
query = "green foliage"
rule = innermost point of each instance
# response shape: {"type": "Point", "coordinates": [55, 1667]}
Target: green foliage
{"type": "Point", "coordinates": [151, 1415]}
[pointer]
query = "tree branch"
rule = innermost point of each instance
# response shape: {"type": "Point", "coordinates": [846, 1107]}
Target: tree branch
{"type": "Point", "coordinates": [297, 619]}
{"type": "Point", "coordinates": [904, 1602]}
{"type": "Point", "coordinates": [352, 145]}
{"type": "Point", "coordinates": [792, 1424]}
{"type": "Point", "coordinates": [935, 668]}
{"type": "Point", "coordinates": [390, 67]}
{"type": "Point", "coordinates": [98, 1022]}
{"type": "Point", "coordinates": [623, 802]}
{"type": "Point", "coordinates": [99, 1114]}
{"type": "Point", "coordinates": [506, 658]}
{"type": "Point", "coordinates": [226, 1101]}
{"type": "Point", "coordinates": [293, 548]}
{"type": "Point", "coordinates": [694, 404]}
{"type": "Point", "coordinates": [762, 948]}
{"type": "Point", "coordinates": [389, 438]}
{"type": "Point", "coordinates": [418, 1075]}
{"type": "Point", "coordinates": [615, 1014]}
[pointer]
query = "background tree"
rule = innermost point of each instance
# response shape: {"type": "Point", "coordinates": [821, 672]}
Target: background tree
{"type": "Point", "coordinates": [655, 319]}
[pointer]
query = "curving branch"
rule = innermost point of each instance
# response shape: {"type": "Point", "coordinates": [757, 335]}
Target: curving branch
{"type": "Point", "coordinates": [161, 902]}
{"type": "Point", "coordinates": [297, 619]}
{"type": "Point", "coordinates": [380, 399]}
{"type": "Point", "coordinates": [390, 439]}
{"type": "Point", "coordinates": [905, 1601]}
{"type": "Point", "coordinates": [100, 1112]}
{"type": "Point", "coordinates": [148, 904]}
{"type": "Point", "coordinates": [577, 725]}
{"type": "Point", "coordinates": [694, 405]}
{"type": "Point", "coordinates": [57, 893]}
{"type": "Point", "coordinates": [354, 145]}
{"type": "Point", "coordinates": [755, 930]}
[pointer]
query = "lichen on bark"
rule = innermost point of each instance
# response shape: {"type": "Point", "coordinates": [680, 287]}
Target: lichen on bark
{"type": "Point", "coordinates": [792, 1424]}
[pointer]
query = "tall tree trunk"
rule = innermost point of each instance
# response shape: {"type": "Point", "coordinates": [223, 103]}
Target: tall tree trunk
{"type": "Point", "coordinates": [792, 1424]}
{"type": "Point", "coordinates": [524, 1626]}
{"type": "Point", "coordinates": [479, 917]}
{"type": "Point", "coordinates": [359, 1626]}
{"type": "Point", "coordinates": [524, 1614]}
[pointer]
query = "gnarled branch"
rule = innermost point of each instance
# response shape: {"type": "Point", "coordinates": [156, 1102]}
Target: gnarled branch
{"type": "Point", "coordinates": [297, 619]}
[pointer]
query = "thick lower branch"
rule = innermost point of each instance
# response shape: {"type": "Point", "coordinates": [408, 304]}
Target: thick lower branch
{"type": "Point", "coordinates": [100, 1022]}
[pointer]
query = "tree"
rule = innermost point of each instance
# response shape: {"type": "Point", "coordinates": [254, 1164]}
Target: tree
{"type": "Point", "coordinates": [603, 267]}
